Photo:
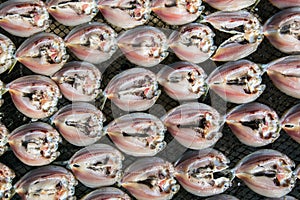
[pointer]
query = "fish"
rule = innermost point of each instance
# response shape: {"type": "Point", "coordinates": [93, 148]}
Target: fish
{"type": "Point", "coordinates": [134, 89]}
{"type": "Point", "coordinates": [80, 123]}
{"type": "Point", "coordinates": [7, 53]}
{"type": "Point", "coordinates": [4, 133]}
{"type": "Point", "coordinates": [106, 193]}
{"type": "Point", "coordinates": [282, 30]}
{"type": "Point", "coordinates": [43, 53]}
{"type": "Point", "coordinates": [247, 30]}
{"type": "Point", "coordinates": [193, 42]}
{"type": "Point", "coordinates": [177, 12]}
{"type": "Point", "coordinates": [284, 73]}
{"type": "Point", "coordinates": [72, 12]}
{"type": "Point", "coordinates": [138, 134]}
{"type": "Point", "coordinates": [285, 3]}
{"type": "Point", "coordinates": [125, 13]}
{"type": "Point", "coordinates": [183, 80]}
{"type": "Point", "coordinates": [97, 165]}
{"type": "Point", "coordinates": [79, 81]}
{"type": "Point", "coordinates": [35, 144]}
{"type": "Point", "coordinates": [237, 81]}
{"type": "Point", "coordinates": [203, 172]}
{"type": "Point", "coordinates": [24, 18]}
{"type": "Point", "coordinates": [145, 46]}
{"type": "Point", "coordinates": [35, 96]}
{"type": "Point", "coordinates": [290, 122]}
{"type": "Point", "coordinates": [230, 5]}
{"type": "Point", "coordinates": [6, 178]}
{"type": "Point", "coordinates": [267, 172]}
{"type": "Point", "coordinates": [150, 178]}
{"type": "Point", "coordinates": [93, 42]}
{"type": "Point", "coordinates": [48, 182]}
{"type": "Point", "coordinates": [254, 124]}
{"type": "Point", "coordinates": [194, 125]}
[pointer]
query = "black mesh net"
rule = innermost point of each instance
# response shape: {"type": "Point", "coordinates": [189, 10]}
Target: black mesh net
{"type": "Point", "coordinates": [228, 144]}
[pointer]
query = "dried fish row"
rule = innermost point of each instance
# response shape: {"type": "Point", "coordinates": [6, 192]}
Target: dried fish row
{"type": "Point", "coordinates": [145, 46]}
{"type": "Point", "coordinates": [205, 173]}
{"type": "Point", "coordinates": [202, 173]}
{"type": "Point", "coordinates": [246, 39]}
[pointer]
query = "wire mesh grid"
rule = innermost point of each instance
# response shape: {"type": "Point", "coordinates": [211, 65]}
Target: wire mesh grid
{"type": "Point", "coordinates": [228, 144]}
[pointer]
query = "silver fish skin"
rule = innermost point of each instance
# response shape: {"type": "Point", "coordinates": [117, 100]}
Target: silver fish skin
{"type": "Point", "coordinates": [237, 82]}
{"type": "Point", "coordinates": [267, 172]}
{"type": "Point", "coordinates": [35, 144]}
{"type": "Point", "coordinates": [183, 81]}
{"type": "Point", "coordinates": [72, 12]}
{"type": "Point", "coordinates": [35, 96]}
{"type": "Point", "coordinates": [194, 125]}
{"type": "Point", "coordinates": [6, 177]}
{"type": "Point", "coordinates": [193, 42]}
{"type": "Point", "coordinates": [230, 5]}
{"type": "Point", "coordinates": [145, 46]}
{"type": "Point", "coordinates": [106, 193]}
{"type": "Point", "coordinates": [284, 73]}
{"type": "Point", "coordinates": [79, 81]}
{"type": "Point", "coordinates": [48, 182]}
{"type": "Point", "coordinates": [138, 134]}
{"type": "Point", "coordinates": [285, 3]}
{"type": "Point", "coordinates": [97, 165]}
{"type": "Point", "coordinates": [133, 13]}
{"type": "Point", "coordinates": [79, 123]}
{"type": "Point", "coordinates": [290, 122]}
{"type": "Point", "coordinates": [134, 89]}
{"type": "Point", "coordinates": [222, 197]}
{"type": "Point", "coordinates": [254, 124]}
{"type": "Point", "coordinates": [24, 18]}
{"type": "Point", "coordinates": [248, 30]}
{"type": "Point", "coordinates": [4, 133]}
{"type": "Point", "coordinates": [196, 170]}
{"type": "Point", "coordinates": [7, 53]}
{"type": "Point", "coordinates": [150, 178]}
{"type": "Point", "coordinates": [177, 12]}
{"type": "Point", "coordinates": [282, 30]}
{"type": "Point", "coordinates": [93, 42]}
{"type": "Point", "coordinates": [43, 53]}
